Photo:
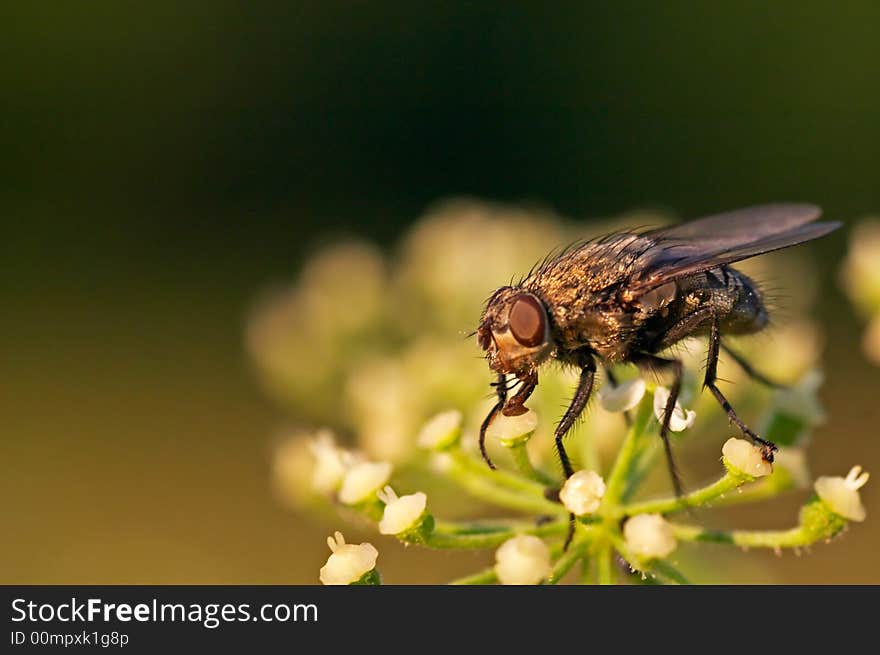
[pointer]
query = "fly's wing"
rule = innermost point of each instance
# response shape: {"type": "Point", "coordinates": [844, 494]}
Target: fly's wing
{"type": "Point", "coordinates": [714, 241]}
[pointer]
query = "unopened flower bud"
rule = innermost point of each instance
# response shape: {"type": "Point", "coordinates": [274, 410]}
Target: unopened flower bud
{"type": "Point", "coordinates": [512, 430]}
{"type": "Point", "coordinates": [522, 560]}
{"type": "Point", "coordinates": [649, 536]}
{"type": "Point", "coordinates": [582, 493]}
{"type": "Point", "coordinates": [745, 458]}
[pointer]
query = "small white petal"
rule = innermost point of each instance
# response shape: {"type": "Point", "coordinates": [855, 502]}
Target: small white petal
{"type": "Point", "coordinates": [402, 513]}
{"type": "Point", "coordinates": [363, 480]}
{"type": "Point", "coordinates": [842, 494]}
{"type": "Point", "coordinates": [348, 563]}
{"type": "Point", "coordinates": [522, 560]}
{"type": "Point", "coordinates": [649, 536]}
{"type": "Point", "coordinates": [622, 397]}
{"type": "Point", "coordinates": [582, 493]}
{"type": "Point", "coordinates": [441, 431]}
{"type": "Point", "coordinates": [506, 428]}
{"type": "Point", "coordinates": [680, 419]}
{"type": "Point", "coordinates": [746, 457]}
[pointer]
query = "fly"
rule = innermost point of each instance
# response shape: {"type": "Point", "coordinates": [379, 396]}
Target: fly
{"type": "Point", "coordinates": [628, 296]}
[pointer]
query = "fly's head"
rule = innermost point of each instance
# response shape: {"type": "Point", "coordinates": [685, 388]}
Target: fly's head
{"type": "Point", "coordinates": [515, 331]}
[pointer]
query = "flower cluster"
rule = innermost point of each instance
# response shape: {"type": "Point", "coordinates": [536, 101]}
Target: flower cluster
{"type": "Point", "coordinates": [611, 524]}
{"type": "Point", "coordinates": [373, 349]}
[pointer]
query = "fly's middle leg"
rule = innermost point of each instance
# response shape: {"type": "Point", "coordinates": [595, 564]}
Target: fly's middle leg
{"type": "Point", "coordinates": [767, 447]}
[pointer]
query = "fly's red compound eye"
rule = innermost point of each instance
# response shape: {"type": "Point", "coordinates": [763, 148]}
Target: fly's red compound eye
{"type": "Point", "coordinates": [527, 320]}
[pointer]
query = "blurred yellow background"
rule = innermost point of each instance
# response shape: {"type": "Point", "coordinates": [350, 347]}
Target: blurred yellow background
{"type": "Point", "coordinates": [166, 166]}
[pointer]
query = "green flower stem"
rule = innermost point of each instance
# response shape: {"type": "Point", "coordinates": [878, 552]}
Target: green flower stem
{"type": "Point", "coordinates": [498, 477]}
{"type": "Point", "coordinates": [586, 570]}
{"type": "Point", "coordinates": [668, 572]}
{"type": "Point", "coordinates": [728, 482]}
{"type": "Point", "coordinates": [485, 526]}
{"type": "Point", "coordinates": [645, 460]}
{"type": "Point", "coordinates": [489, 539]}
{"type": "Point", "coordinates": [792, 538]}
{"type": "Point", "coordinates": [629, 451]}
{"type": "Point", "coordinates": [568, 559]}
{"type": "Point", "coordinates": [589, 455]}
{"type": "Point", "coordinates": [605, 564]}
{"type": "Point", "coordinates": [481, 485]}
{"type": "Point", "coordinates": [524, 465]}
{"type": "Point", "coordinates": [486, 576]}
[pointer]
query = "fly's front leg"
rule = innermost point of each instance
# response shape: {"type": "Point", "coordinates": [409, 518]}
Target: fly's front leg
{"type": "Point", "coordinates": [516, 405]}
{"type": "Point", "coordinates": [513, 406]}
{"type": "Point", "coordinates": [500, 385]}
{"type": "Point", "coordinates": [767, 447]}
{"type": "Point", "coordinates": [577, 405]}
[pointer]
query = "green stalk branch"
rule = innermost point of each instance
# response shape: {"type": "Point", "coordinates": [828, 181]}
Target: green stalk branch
{"type": "Point", "coordinates": [629, 451]}
{"type": "Point", "coordinates": [489, 539]}
{"type": "Point", "coordinates": [486, 576]}
{"type": "Point", "coordinates": [697, 498]}
{"type": "Point", "coordinates": [568, 559]}
{"type": "Point", "coordinates": [792, 538]}
{"type": "Point", "coordinates": [526, 468]}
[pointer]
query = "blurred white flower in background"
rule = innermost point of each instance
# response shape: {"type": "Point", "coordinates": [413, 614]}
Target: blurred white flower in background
{"type": "Point", "coordinates": [860, 277]}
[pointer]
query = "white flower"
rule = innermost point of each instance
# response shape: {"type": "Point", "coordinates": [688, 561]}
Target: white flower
{"type": "Point", "coordinates": [349, 562]}
{"type": "Point", "coordinates": [362, 480]}
{"type": "Point", "coordinates": [401, 513]}
{"type": "Point", "coordinates": [522, 560]}
{"type": "Point", "coordinates": [509, 429]}
{"type": "Point", "coordinates": [842, 494]}
{"type": "Point", "coordinates": [582, 492]}
{"type": "Point", "coordinates": [745, 457]}
{"type": "Point", "coordinates": [441, 431]}
{"type": "Point", "coordinates": [331, 462]}
{"type": "Point", "coordinates": [649, 536]}
{"type": "Point", "coordinates": [622, 397]}
{"type": "Point", "coordinates": [680, 419]}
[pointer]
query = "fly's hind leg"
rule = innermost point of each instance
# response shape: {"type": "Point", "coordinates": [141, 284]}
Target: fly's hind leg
{"type": "Point", "coordinates": [750, 371]}
{"type": "Point", "coordinates": [767, 447]}
{"type": "Point", "coordinates": [654, 362]}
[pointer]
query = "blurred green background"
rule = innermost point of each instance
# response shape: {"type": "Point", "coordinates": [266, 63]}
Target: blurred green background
{"type": "Point", "coordinates": [162, 163]}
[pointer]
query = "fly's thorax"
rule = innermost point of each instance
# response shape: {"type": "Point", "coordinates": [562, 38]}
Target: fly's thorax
{"type": "Point", "coordinates": [597, 327]}
{"type": "Point", "coordinates": [748, 313]}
